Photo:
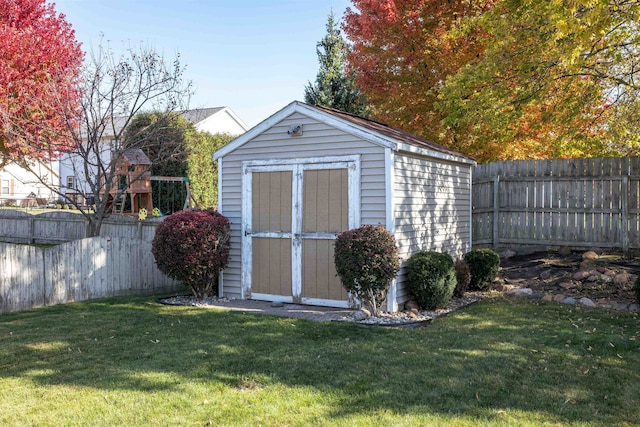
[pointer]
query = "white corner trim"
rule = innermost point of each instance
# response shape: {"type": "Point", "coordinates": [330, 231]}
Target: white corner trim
{"type": "Point", "coordinates": [246, 254]}
{"type": "Point", "coordinates": [297, 192]}
{"type": "Point", "coordinates": [434, 154]}
{"type": "Point", "coordinates": [221, 283]}
{"type": "Point", "coordinates": [471, 208]}
{"type": "Point", "coordinates": [219, 185]}
{"type": "Point", "coordinates": [389, 184]}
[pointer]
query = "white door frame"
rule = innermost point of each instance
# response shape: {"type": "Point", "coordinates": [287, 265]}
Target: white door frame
{"type": "Point", "coordinates": [297, 167]}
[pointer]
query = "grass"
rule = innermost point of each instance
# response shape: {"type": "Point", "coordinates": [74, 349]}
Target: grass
{"type": "Point", "coordinates": [136, 362]}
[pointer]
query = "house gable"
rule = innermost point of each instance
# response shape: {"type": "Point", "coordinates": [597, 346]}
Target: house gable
{"type": "Point", "coordinates": [367, 130]}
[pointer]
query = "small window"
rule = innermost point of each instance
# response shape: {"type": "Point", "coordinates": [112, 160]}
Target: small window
{"type": "Point", "coordinates": [131, 168]}
{"type": "Point", "coordinates": [6, 186]}
{"type": "Point", "coordinates": [70, 182]}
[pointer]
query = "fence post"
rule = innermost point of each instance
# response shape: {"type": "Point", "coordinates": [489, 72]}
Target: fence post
{"type": "Point", "coordinates": [496, 211]}
{"type": "Point", "coordinates": [624, 214]}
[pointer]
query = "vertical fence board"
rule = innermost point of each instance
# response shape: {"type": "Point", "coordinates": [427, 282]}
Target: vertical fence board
{"type": "Point", "coordinates": [576, 202]}
{"type": "Point", "coordinates": [84, 269]}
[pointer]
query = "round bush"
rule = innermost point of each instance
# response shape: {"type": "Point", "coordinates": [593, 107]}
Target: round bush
{"type": "Point", "coordinates": [367, 260]}
{"type": "Point", "coordinates": [431, 278]}
{"type": "Point", "coordinates": [484, 265]}
{"type": "Point", "coordinates": [193, 246]}
{"type": "Point", "coordinates": [463, 277]}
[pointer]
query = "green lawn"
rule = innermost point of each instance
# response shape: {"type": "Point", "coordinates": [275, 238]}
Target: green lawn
{"type": "Point", "coordinates": [135, 362]}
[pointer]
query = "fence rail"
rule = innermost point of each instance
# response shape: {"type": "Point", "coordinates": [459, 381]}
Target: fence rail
{"type": "Point", "coordinates": [96, 267]}
{"type": "Point", "coordinates": [57, 227]}
{"type": "Point", "coordinates": [574, 202]}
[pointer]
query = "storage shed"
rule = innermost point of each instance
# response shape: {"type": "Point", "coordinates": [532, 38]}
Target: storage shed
{"type": "Point", "coordinates": [307, 173]}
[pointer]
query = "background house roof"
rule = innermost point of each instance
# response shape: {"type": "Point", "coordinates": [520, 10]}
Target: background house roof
{"type": "Point", "coordinates": [199, 114]}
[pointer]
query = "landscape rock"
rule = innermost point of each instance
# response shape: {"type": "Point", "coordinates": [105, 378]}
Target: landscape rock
{"type": "Point", "coordinates": [621, 279]}
{"type": "Point", "coordinates": [634, 307]}
{"type": "Point", "coordinates": [412, 315]}
{"type": "Point", "coordinates": [621, 306]}
{"type": "Point", "coordinates": [520, 292]}
{"type": "Point", "coordinates": [558, 297]}
{"type": "Point", "coordinates": [547, 298]}
{"type": "Point", "coordinates": [606, 279]}
{"type": "Point", "coordinates": [568, 285]}
{"type": "Point", "coordinates": [610, 272]}
{"type": "Point", "coordinates": [361, 314]}
{"type": "Point", "coordinates": [590, 255]}
{"type": "Point", "coordinates": [586, 302]}
{"type": "Point", "coordinates": [545, 275]}
{"type": "Point", "coordinates": [581, 275]}
{"type": "Point", "coordinates": [586, 265]}
{"type": "Point", "coordinates": [536, 295]}
{"type": "Point", "coordinates": [277, 304]}
{"type": "Point", "coordinates": [569, 301]}
{"type": "Point", "coordinates": [564, 251]}
{"type": "Point", "coordinates": [411, 304]}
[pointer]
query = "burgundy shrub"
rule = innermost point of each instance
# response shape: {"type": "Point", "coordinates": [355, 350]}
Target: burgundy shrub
{"type": "Point", "coordinates": [193, 246]}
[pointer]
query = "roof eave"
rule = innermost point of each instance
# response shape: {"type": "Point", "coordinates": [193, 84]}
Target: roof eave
{"type": "Point", "coordinates": [408, 148]}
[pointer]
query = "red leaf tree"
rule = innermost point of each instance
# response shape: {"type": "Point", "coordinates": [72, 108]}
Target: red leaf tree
{"type": "Point", "coordinates": [40, 63]}
{"type": "Point", "coordinates": [402, 52]}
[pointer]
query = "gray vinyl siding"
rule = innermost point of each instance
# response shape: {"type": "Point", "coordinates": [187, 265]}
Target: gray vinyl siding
{"type": "Point", "coordinates": [431, 204]}
{"type": "Point", "coordinates": [317, 140]}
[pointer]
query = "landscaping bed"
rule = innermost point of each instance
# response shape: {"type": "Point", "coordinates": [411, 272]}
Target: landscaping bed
{"type": "Point", "coordinates": [593, 278]}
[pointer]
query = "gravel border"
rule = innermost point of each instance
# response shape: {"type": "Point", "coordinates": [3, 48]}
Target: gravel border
{"type": "Point", "coordinates": [409, 319]}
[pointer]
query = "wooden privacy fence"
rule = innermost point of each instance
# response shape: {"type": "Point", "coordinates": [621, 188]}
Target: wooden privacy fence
{"type": "Point", "coordinates": [562, 202]}
{"type": "Point", "coordinates": [57, 227]}
{"type": "Point", "coordinates": [96, 267]}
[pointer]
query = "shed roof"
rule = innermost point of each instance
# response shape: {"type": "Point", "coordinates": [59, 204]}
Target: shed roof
{"type": "Point", "coordinates": [369, 130]}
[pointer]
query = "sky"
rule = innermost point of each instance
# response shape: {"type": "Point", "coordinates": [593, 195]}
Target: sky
{"type": "Point", "coordinates": [252, 56]}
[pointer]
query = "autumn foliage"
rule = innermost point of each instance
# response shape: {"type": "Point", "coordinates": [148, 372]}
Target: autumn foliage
{"type": "Point", "coordinates": [402, 52]}
{"type": "Point", "coordinates": [40, 63]}
{"type": "Point", "coordinates": [502, 79]}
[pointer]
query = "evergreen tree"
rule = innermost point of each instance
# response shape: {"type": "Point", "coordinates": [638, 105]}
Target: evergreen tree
{"type": "Point", "coordinates": [334, 86]}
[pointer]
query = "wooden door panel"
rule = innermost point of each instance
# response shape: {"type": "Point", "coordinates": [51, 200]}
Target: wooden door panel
{"type": "Point", "coordinates": [326, 204]}
{"type": "Point", "coordinates": [319, 279]}
{"type": "Point", "coordinates": [325, 212]}
{"type": "Point", "coordinates": [271, 201]}
{"type": "Point", "coordinates": [271, 270]}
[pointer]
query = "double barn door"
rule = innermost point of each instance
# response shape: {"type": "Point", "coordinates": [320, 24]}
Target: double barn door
{"type": "Point", "coordinates": [292, 214]}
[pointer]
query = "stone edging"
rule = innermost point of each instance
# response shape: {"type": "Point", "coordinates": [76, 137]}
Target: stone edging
{"type": "Point", "coordinates": [562, 299]}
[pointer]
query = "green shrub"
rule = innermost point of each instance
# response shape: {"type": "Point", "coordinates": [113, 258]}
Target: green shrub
{"type": "Point", "coordinates": [367, 260]}
{"type": "Point", "coordinates": [637, 289]}
{"type": "Point", "coordinates": [484, 265]}
{"type": "Point", "coordinates": [463, 277]}
{"type": "Point", "coordinates": [431, 278]}
{"type": "Point", "coordinates": [193, 246]}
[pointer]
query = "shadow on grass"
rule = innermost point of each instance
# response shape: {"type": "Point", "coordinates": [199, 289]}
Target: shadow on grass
{"type": "Point", "coordinates": [562, 364]}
